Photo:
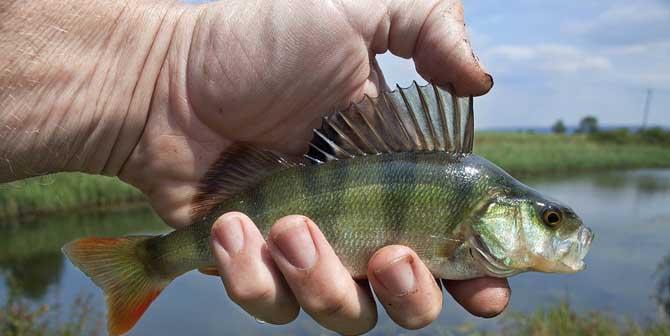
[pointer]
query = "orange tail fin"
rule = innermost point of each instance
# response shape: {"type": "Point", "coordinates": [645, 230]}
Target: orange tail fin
{"type": "Point", "coordinates": [114, 265]}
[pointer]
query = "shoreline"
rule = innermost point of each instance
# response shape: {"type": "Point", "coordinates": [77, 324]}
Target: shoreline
{"type": "Point", "coordinates": [520, 154]}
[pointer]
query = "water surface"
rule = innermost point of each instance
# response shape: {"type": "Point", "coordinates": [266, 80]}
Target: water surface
{"type": "Point", "coordinates": [628, 266]}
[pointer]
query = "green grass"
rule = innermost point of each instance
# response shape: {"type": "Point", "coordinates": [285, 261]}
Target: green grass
{"type": "Point", "coordinates": [65, 192]}
{"type": "Point", "coordinates": [518, 153]}
{"type": "Point", "coordinates": [534, 154]}
{"type": "Point", "coordinates": [560, 320]}
{"type": "Point", "coordinates": [21, 317]}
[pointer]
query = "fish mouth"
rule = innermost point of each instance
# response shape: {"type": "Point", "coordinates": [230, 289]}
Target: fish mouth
{"type": "Point", "coordinates": [573, 260]}
{"type": "Point", "coordinates": [492, 266]}
{"type": "Point", "coordinates": [568, 255]}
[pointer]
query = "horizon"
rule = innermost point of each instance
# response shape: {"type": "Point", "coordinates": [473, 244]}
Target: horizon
{"type": "Point", "coordinates": [569, 128]}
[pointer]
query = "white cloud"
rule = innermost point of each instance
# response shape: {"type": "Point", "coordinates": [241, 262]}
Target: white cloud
{"type": "Point", "coordinates": [515, 52]}
{"type": "Point", "coordinates": [560, 58]}
{"type": "Point", "coordinates": [624, 23]}
{"type": "Point", "coordinates": [622, 15]}
{"type": "Point", "coordinates": [637, 49]}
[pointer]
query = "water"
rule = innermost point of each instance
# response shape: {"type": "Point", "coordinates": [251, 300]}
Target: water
{"type": "Point", "coordinates": [630, 257]}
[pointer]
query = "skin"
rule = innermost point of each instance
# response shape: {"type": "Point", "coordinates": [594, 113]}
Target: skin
{"type": "Point", "coordinates": [153, 92]}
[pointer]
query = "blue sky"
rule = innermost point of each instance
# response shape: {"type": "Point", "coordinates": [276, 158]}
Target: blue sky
{"type": "Point", "coordinates": [566, 59]}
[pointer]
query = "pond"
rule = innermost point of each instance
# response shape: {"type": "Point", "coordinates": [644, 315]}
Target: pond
{"type": "Point", "coordinates": [628, 266]}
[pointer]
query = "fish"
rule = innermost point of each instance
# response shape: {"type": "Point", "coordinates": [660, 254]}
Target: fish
{"type": "Point", "coordinates": [392, 169]}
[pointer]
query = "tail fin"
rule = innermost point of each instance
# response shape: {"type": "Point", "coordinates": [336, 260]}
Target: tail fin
{"type": "Point", "coordinates": [114, 265]}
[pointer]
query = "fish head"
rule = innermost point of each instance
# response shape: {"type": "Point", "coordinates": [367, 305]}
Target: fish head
{"type": "Point", "coordinates": [529, 233]}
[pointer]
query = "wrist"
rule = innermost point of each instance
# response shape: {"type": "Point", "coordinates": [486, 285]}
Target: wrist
{"type": "Point", "coordinates": [143, 44]}
{"type": "Point", "coordinates": [76, 82]}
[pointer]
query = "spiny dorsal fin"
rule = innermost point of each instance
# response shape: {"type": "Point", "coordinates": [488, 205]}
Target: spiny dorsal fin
{"type": "Point", "coordinates": [417, 118]}
{"type": "Point", "coordinates": [241, 166]}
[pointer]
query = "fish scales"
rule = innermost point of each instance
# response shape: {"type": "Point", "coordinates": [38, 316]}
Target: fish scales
{"type": "Point", "coordinates": [390, 198]}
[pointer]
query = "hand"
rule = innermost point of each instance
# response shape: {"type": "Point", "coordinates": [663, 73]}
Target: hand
{"type": "Point", "coordinates": [298, 268]}
{"type": "Point", "coordinates": [265, 73]}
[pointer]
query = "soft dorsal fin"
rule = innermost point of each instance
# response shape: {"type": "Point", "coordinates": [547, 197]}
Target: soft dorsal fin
{"type": "Point", "coordinates": [417, 118]}
{"type": "Point", "coordinates": [238, 168]}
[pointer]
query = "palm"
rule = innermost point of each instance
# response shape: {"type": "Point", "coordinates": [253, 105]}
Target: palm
{"type": "Point", "coordinates": [240, 90]}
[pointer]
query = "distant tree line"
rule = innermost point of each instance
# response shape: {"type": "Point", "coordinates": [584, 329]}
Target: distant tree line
{"type": "Point", "coordinates": [589, 126]}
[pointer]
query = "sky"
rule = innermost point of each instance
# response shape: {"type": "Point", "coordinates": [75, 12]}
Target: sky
{"type": "Point", "coordinates": [564, 60]}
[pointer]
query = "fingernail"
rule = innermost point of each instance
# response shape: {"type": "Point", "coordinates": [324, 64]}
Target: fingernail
{"type": "Point", "coordinates": [398, 276]}
{"type": "Point", "coordinates": [296, 245]}
{"type": "Point", "coordinates": [490, 80]}
{"type": "Point", "coordinates": [229, 234]}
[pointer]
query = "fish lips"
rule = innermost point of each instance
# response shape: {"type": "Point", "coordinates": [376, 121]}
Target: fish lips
{"type": "Point", "coordinates": [574, 259]}
{"type": "Point", "coordinates": [571, 254]}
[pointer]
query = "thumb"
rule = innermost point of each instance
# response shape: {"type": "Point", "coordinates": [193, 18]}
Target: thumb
{"type": "Point", "coordinates": [434, 34]}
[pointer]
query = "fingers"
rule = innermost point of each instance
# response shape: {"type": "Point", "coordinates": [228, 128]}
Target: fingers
{"type": "Point", "coordinates": [434, 34]}
{"type": "Point", "coordinates": [305, 270]}
{"type": "Point", "coordinates": [483, 297]}
{"type": "Point", "coordinates": [321, 284]}
{"type": "Point", "coordinates": [248, 272]}
{"type": "Point", "coordinates": [405, 286]}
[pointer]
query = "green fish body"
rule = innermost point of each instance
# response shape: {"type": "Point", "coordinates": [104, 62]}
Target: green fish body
{"type": "Point", "coordinates": [394, 170]}
{"type": "Point", "coordinates": [425, 201]}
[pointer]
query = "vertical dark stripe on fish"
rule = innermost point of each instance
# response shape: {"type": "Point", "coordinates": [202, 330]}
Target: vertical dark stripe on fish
{"type": "Point", "coordinates": [310, 185]}
{"type": "Point", "coordinates": [339, 177]}
{"type": "Point", "coordinates": [398, 183]}
{"type": "Point", "coordinates": [463, 195]}
{"type": "Point", "coordinates": [256, 205]}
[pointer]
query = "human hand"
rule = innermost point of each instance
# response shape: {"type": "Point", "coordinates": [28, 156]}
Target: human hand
{"type": "Point", "coordinates": [265, 73]}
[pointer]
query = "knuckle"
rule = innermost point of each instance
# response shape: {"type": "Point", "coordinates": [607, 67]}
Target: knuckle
{"type": "Point", "coordinates": [247, 293]}
{"type": "Point", "coordinates": [330, 303]}
{"type": "Point", "coordinates": [421, 319]}
{"type": "Point", "coordinates": [495, 306]}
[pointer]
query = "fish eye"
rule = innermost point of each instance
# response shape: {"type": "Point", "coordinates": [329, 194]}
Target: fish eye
{"type": "Point", "coordinates": [552, 216]}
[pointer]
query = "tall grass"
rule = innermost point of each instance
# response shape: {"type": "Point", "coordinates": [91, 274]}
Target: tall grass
{"type": "Point", "coordinates": [533, 154]}
{"type": "Point", "coordinates": [560, 320]}
{"type": "Point", "coordinates": [21, 317]}
{"type": "Point", "coordinates": [518, 153]}
{"type": "Point", "coordinates": [63, 192]}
